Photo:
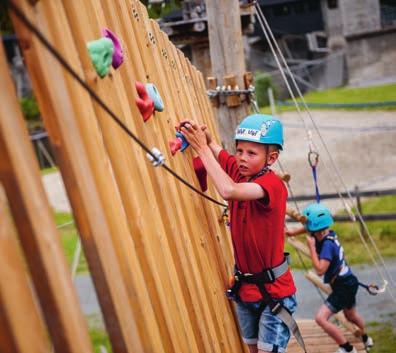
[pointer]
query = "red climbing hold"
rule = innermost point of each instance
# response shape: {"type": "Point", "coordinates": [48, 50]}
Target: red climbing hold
{"type": "Point", "coordinates": [201, 173]}
{"type": "Point", "coordinates": [175, 145]}
{"type": "Point", "coordinates": [144, 102]}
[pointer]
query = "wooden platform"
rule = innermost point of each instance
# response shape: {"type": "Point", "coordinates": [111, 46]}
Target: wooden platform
{"type": "Point", "coordinates": [317, 341]}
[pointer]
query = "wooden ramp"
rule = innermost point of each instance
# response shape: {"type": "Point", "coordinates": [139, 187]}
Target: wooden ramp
{"type": "Point", "coordinates": [317, 341]}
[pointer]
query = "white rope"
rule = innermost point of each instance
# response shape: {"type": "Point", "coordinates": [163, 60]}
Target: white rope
{"type": "Point", "coordinates": [264, 25]}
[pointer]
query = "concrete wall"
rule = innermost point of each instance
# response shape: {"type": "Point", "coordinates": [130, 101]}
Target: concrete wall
{"type": "Point", "coordinates": [360, 16]}
{"type": "Point", "coordinates": [372, 59]}
{"type": "Point", "coordinates": [351, 17]}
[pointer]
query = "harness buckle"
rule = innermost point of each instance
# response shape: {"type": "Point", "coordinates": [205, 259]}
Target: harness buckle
{"type": "Point", "coordinates": [276, 308]}
{"type": "Point", "coordinates": [270, 275]}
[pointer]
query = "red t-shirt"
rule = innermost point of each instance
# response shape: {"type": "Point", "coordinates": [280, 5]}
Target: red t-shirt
{"type": "Point", "coordinates": [257, 231]}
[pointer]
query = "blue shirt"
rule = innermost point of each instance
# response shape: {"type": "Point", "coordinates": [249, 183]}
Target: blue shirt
{"type": "Point", "coordinates": [330, 249]}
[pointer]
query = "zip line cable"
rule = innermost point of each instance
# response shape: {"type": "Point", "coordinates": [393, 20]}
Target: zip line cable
{"type": "Point", "coordinates": [264, 25]}
{"type": "Point", "coordinates": [19, 13]}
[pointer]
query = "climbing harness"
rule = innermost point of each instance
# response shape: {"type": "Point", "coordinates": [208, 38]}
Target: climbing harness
{"type": "Point", "coordinates": [268, 275]}
{"type": "Point", "coordinates": [373, 289]}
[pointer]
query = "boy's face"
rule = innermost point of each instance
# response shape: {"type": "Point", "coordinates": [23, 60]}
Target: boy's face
{"type": "Point", "coordinates": [320, 234]}
{"type": "Point", "coordinates": [252, 157]}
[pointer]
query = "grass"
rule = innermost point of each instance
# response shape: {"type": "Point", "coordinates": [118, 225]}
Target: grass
{"type": "Point", "coordinates": [383, 233]}
{"type": "Point", "coordinates": [384, 335]}
{"type": "Point", "coordinates": [98, 333]}
{"type": "Point", "coordinates": [69, 237]}
{"type": "Point", "coordinates": [50, 170]}
{"type": "Point", "coordinates": [345, 95]}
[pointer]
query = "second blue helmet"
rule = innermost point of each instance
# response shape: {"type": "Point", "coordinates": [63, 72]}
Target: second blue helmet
{"type": "Point", "coordinates": [318, 217]}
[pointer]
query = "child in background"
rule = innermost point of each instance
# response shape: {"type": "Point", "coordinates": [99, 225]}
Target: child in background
{"type": "Point", "coordinates": [328, 259]}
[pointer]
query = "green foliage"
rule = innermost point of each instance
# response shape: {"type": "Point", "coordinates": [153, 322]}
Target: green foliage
{"type": "Point", "coordinates": [161, 10]}
{"type": "Point", "coordinates": [383, 233]}
{"type": "Point", "coordinates": [262, 83]}
{"type": "Point", "coordinates": [31, 112]}
{"type": "Point", "coordinates": [30, 108]}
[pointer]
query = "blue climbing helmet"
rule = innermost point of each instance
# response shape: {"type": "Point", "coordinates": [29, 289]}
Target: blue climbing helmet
{"type": "Point", "coordinates": [260, 128]}
{"type": "Point", "coordinates": [318, 217]}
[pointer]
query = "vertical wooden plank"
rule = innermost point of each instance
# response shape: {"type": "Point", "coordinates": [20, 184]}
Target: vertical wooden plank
{"type": "Point", "coordinates": [59, 117]}
{"type": "Point", "coordinates": [35, 223]}
{"type": "Point", "coordinates": [22, 327]}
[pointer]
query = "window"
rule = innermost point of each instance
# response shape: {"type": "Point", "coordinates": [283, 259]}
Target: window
{"type": "Point", "coordinates": [298, 7]}
{"type": "Point", "coordinates": [313, 5]}
{"type": "Point", "coordinates": [332, 4]}
{"type": "Point", "coordinates": [281, 10]}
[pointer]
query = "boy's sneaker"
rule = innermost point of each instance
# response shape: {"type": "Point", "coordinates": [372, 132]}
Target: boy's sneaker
{"type": "Point", "coordinates": [369, 343]}
{"type": "Point", "coordinates": [342, 350]}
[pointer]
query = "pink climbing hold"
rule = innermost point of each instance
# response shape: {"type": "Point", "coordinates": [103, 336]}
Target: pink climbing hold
{"type": "Point", "coordinates": [118, 54]}
{"type": "Point", "coordinates": [144, 102]}
{"type": "Point", "coordinates": [175, 145]}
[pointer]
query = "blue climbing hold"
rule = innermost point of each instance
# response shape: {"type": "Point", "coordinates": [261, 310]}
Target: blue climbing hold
{"type": "Point", "coordinates": [155, 96]}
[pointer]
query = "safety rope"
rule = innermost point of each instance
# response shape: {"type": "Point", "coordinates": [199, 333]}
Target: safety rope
{"type": "Point", "coordinates": [299, 253]}
{"type": "Point", "coordinates": [313, 159]}
{"type": "Point", "coordinates": [266, 29]}
{"type": "Point", "coordinates": [98, 100]}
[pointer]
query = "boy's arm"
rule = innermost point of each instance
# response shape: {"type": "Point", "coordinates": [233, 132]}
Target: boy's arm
{"type": "Point", "coordinates": [295, 231]}
{"type": "Point", "coordinates": [321, 265]}
{"type": "Point", "coordinates": [227, 188]}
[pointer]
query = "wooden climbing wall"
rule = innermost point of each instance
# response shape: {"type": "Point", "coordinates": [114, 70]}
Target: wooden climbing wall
{"type": "Point", "coordinates": [158, 255]}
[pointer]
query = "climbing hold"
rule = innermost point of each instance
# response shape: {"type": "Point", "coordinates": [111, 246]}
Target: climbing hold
{"type": "Point", "coordinates": [144, 102]}
{"type": "Point", "coordinates": [101, 53]}
{"type": "Point", "coordinates": [118, 54]}
{"type": "Point", "coordinates": [155, 96]}
{"type": "Point", "coordinates": [179, 143]}
{"type": "Point", "coordinates": [200, 172]}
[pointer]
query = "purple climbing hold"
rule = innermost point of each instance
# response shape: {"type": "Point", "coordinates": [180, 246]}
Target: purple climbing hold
{"type": "Point", "coordinates": [118, 54]}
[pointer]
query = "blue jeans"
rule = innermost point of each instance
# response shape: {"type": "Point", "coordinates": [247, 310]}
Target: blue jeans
{"type": "Point", "coordinates": [263, 328]}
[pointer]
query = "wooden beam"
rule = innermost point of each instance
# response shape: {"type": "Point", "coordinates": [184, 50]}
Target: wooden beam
{"type": "Point", "coordinates": [34, 219]}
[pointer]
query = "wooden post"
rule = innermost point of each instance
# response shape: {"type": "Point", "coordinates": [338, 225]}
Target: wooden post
{"type": "Point", "coordinates": [212, 84]}
{"type": "Point", "coordinates": [227, 57]}
{"type": "Point", "coordinates": [34, 219]}
{"type": "Point", "coordinates": [22, 327]}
